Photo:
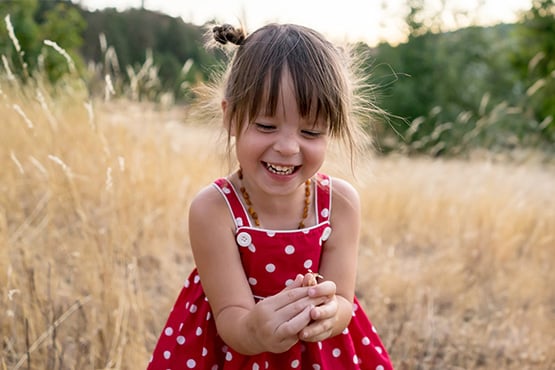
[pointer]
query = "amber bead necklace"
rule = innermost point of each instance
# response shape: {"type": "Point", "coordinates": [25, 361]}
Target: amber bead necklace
{"type": "Point", "coordinates": [254, 215]}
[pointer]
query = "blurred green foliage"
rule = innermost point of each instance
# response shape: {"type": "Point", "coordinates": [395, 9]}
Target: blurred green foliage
{"type": "Point", "coordinates": [33, 22]}
{"type": "Point", "coordinates": [179, 59]}
{"type": "Point", "coordinates": [447, 93]}
{"type": "Point", "coordinates": [534, 59]}
{"type": "Point", "coordinates": [477, 87]}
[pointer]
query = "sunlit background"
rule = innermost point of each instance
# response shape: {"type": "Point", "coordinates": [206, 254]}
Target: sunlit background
{"type": "Point", "coordinates": [369, 21]}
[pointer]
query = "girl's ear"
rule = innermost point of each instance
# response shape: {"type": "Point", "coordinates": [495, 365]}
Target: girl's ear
{"type": "Point", "coordinates": [228, 123]}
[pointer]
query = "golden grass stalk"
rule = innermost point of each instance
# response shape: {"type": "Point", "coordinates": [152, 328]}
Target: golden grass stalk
{"type": "Point", "coordinates": [456, 259]}
{"type": "Point", "coordinates": [63, 53]}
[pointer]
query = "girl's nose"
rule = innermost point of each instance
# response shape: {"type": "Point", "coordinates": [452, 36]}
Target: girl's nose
{"type": "Point", "coordinates": [287, 144]}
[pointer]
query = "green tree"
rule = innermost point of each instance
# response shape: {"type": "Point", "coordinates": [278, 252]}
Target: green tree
{"type": "Point", "coordinates": [64, 25]}
{"type": "Point", "coordinates": [19, 36]}
{"type": "Point", "coordinates": [535, 60]}
{"type": "Point", "coordinates": [33, 23]}
{"type": "Point", "coordinates": [177, 48]}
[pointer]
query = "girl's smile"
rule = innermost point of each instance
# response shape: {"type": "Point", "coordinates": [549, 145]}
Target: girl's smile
{"type": "Point", "coordinates": [280, 169]}
{"type": "Point", "coordinates": [279, 153]}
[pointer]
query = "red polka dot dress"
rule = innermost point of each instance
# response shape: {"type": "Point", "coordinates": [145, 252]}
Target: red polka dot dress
{"type": "Point", "coordinates": [271, 260]}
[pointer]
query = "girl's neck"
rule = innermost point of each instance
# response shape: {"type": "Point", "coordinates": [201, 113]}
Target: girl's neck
{"type": "Point", "coordinates": [287, 211]}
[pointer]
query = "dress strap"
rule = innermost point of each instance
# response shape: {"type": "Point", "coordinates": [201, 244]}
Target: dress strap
{"type": "Point", "coordinates": [236, 208]}
{"type": "Point", "coordinates": [323, 197]}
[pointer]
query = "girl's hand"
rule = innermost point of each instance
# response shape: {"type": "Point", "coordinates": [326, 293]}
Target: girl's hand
{"type": "Point", "coordinates": [323, 316]}
{"type": "Point", "coordinates": [277, 320]}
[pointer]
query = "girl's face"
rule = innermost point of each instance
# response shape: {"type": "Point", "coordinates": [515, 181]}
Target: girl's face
{"type": "Point", "coordinates": [278, 154]}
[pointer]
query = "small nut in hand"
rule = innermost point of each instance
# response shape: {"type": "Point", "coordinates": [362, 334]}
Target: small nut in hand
{"type": "Point", "coordinates": [310, 278]}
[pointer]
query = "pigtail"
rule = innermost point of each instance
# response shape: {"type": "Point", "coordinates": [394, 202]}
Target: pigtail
{"type": "Point", "coordinates": [227, 33]}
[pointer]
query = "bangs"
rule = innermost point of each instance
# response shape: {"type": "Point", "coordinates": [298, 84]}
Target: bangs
{"type": "Point", "coordinates": [317, 80]}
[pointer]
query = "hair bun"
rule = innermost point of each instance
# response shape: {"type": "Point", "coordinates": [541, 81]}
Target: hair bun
{"type": "Point", "coordinates": [227, 33]}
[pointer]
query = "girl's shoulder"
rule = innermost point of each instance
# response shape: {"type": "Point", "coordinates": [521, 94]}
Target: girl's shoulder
{"type": "Point", "coordinates": [208, 205]}
{"type": "Point", "coordinates": [344, 193]}
{"type": "Point", "coordinates": [345, 204]}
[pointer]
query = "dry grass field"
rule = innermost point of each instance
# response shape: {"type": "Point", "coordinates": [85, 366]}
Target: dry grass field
{"type": "Point", "coordinates": [456, 268]}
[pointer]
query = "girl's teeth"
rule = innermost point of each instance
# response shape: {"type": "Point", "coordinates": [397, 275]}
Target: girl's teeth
{"type": "Point", "coordinates": [280, 170]}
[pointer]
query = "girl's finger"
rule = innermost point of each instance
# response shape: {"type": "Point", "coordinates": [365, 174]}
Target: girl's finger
{"type": "Point", "coordinates": [325, 311]}
{"type": "Point", "coordinates": [325, 288]}
{"type": "Point", "coordinates": [295, 324]}
{"type": "Point", "coordinates": [309, 280]}
{"type": "Point", "coordinates": [297, 283]}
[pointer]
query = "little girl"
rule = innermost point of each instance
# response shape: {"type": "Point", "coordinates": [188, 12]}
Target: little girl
{"type": "Point", "coordinates": [275, 243]}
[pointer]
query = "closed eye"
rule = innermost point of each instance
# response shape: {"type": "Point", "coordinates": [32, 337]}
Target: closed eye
{"type": "Point", "coordinates": [265, 127]}
{"type": "Point", "coordinates": [312, 133]}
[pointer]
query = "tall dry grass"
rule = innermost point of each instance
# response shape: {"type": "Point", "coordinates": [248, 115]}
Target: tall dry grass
{"type": "Point", "coordinates": [456, 260]}
{"type": "Point", "coordinates": [92, 213]}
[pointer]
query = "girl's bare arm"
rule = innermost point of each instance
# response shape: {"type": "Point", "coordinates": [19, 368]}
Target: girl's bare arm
{"type": "Point", "coordinates": [271, 325]}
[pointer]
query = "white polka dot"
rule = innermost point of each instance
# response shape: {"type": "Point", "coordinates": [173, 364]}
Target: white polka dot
{"type": "Point", "coordinates": [378, 349]}
{"type": "Point", "coordinates": [380, 367]}
{"type": "Point", "coordinates": [168, 331]}
{"type": "Point", "coordinates": [308, 264]}
{"type": "Point", "coordinates": [228, 356]}
{"type": "Point", "coordinates": [325, 182]}
{"type": "Point", "coordinates": [191, 363]}
{"type": "Point", "coordinates": [255, 366]}
{"type": "Point", "coordinates": [167, 354]}
{"type": "Point", "coordinates": [196, 279]}
{"type": "Point", "coordinates": [208, 316]}
{"type": "Point", "coordinates": [225, 348]}
{"type": "Point", "coordinates": [226, 190]}
{"type": "Point", "coordinates": [252, 248]}
{"type": "Point", "coordinates": [266, 365]}
{"type": "Point", "coordinates": [355, 359]}
{"type": "Point", "coordinates": [289, 249]}
{"type": "Point", "coordinates": [186, 283]}
{"type": "Point", "coordinates": [204, 351]}
{"type": "Point", "coordinates": [270, 267]}
{"type": "Point", "coordinates": [271, 234]}
{"type": "Point", "coordinates": [365, 341]}
{"type": "Point", "coordinates": [193, 308]}
{"type": "Point", "coordinates": [325, 213]}
{"type": "Point", "coordinates": [374, 329]}
{"type": "Point", "coordinates": [316, 367]}
{"type": "Point", "coordinates": [180, 327]}
{"type": "Point", "coordinates": [239, 221]}
{"type": "Point", "coordinates": [199, 331]}
{"type": "Point", "coordinates": [288, 282]}
{"type": "Point", "coordinates": [215, 367]}
{"type": "Point", "coordinates": [180, 340]}
{"type": "Point", "coordinates": [252, 281]}
{"type": "Point", "coordinates": [345, 331]}
{"type": "Point", "coordinates": [151, 358]}
{"type": "Point", "coordinates": [187, 305]}
{"type": "Point", "coordinates": [320, 346]}
{"type": "Point", "coordinates": [336, 352]}
{"type": "Point", "coordinates": [295, 364]}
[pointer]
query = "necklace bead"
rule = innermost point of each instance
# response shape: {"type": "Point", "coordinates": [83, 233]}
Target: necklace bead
{"type": "Point", "coordinates": [253, 213]}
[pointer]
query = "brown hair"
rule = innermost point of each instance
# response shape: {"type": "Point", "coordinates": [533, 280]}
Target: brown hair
{"type": "Point", "coordinates": [322, 74]}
